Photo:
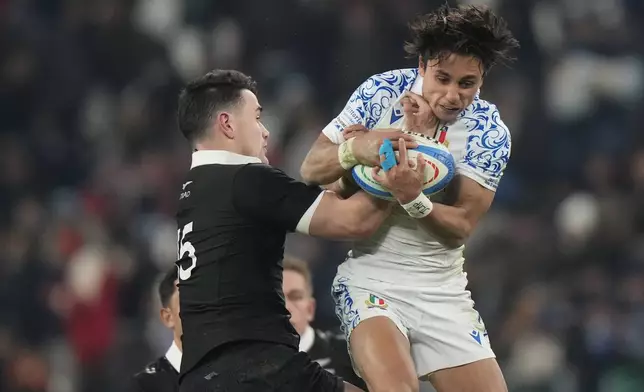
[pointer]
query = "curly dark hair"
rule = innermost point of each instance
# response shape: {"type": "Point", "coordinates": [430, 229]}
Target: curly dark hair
{"type": "Point", "coordinates": [465, 30]}
{"type": "Point", "coordinates": [203, 97]}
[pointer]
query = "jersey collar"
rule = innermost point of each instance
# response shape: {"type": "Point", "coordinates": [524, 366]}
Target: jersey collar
{"type": "Point", "coordinates": [220, 157]}
{"type": "Point", "coordinates": [307, 339]}
{"type": "Point", "coordinates": [173, 356]}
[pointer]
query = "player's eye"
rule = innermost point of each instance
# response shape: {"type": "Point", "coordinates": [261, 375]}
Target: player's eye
{"type": "Point", "coordinates": [467, 84]}
{"type": "Point", "coordinates": [295, 297]}
{"type": "Point", "coordinates": [442, 79]}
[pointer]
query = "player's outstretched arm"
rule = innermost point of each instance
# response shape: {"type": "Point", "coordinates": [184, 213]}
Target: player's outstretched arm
{"type": "Point", "coordinates": [359, 216]}
{"type": "Point", "coordinates": [267, 194]}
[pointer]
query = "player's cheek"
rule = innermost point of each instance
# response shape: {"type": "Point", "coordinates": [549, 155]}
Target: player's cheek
{"type": "Point", "coordinates": [469, 97]}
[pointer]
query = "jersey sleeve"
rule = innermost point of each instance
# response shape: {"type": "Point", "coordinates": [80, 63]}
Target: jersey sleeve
{"type": "Point", "coordinates": [370, 101]}
{"type": "Point", "coordinates": [267, 194]}
{"type": "Point", "coordinates": [354, 112]}
{"type": "Point", "coordinates": [487, 150]}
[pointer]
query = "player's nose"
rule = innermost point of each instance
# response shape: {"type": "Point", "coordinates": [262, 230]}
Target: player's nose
{"type": "Point", "coordinates": [452, 95]}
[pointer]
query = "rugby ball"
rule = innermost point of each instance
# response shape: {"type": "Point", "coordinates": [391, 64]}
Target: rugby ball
{"type": "Point", "coordinates": [439, 169]}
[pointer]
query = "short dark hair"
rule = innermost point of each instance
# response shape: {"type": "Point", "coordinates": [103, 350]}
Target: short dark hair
{"type": "Point", "coordinates": [301, 267]}
{"type": "Point", "coordinates": [465, 30]}
{"type": "Point", "coordinates": [167, 286]}
{"type": "Point", "coordinates": [204, 96]}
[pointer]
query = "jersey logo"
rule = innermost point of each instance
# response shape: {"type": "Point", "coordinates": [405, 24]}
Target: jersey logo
{"type": "Point", "coordinates": [211, 375]}
{"type": "Point", "coordinates": [396, 114]}
{"type": "Point", "coordinates": [376, 302]}
{"type": "Point", "coordinates": [150, 370]}
{"type": "Point", "coordinates": [477, 336]}
{"type": "Point", "coordinates": [185, 194]}
{"type": "Point", "coordinates": [479, 333]}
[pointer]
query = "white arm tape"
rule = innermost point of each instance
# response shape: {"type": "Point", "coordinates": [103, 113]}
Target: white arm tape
{"type": "Point", "coordinates": [305, 221]}
{"type": "Point", "coordinates": [420, 207]}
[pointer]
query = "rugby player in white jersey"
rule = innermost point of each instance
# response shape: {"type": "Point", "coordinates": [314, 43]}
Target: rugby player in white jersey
{"type": "Point", "coordinates": [401, 295]}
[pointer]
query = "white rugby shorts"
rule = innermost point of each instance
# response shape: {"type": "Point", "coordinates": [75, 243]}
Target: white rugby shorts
{"type": "Point", "coordinates": [439, 320]}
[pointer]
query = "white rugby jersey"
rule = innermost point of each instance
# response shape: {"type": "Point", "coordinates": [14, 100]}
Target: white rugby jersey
{"type": "Point", "coordinates": [478, 140]}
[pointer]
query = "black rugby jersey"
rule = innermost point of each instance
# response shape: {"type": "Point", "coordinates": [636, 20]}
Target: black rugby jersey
{"type": "Point", "coordinates": [161, 375]}
{"type": "Point", "coordinates": [234, 214]}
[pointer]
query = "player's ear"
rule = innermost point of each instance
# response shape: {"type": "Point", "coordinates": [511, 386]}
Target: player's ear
{"type": "Point", "coordinates": [225, 124]}
{"type": "Point", "coordinates": [166, 317]}
{"type": "Point", "coordinates": [483, 74]}
{"type": "Point", "coordinates": [421, 66]}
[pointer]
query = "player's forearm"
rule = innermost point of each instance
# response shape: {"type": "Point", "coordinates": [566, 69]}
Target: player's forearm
{"type": "Point", "coordinates": [344, 187]}
{"type": "Point", "coordinates": [448, 224]}
{"type": "Point", "coordinates": [366, 214]}
{"type": "Point", "coordinates": [356, 217]}
{"type": "Point", "coordinates": [321, 165]}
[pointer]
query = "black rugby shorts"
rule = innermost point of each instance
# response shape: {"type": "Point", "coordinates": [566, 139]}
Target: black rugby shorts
{"type": "Point", "coordinates": [259, 367]}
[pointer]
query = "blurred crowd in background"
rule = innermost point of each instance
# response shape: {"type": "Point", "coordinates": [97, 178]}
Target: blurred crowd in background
{"type": "Point", "coordinates": [91, 164]}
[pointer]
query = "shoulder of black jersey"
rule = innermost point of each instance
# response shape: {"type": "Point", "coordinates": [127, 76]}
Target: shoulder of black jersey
{"type": "Point", "coordinates": [161, 365]}
{"type": "Point", "coordinates": [261, 175]}
{"type": "Point", "coordinates": [260, 168]}
{"type": "Point", "coordinates": [157, 376]}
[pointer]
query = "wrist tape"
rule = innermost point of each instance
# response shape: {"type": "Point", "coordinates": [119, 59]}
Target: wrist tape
{"type": "Point", "coordinates": [345, 155]}
{"type": "Point", "coordinates": [420, 207]}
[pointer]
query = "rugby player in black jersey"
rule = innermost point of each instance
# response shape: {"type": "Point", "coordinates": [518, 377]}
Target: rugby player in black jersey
{"type": "Point", "coordinates": [162, 375]}
{"type": "Point", "coordinates": [326, 347]}
{"type": "Point", "coordinates": [234, 213]}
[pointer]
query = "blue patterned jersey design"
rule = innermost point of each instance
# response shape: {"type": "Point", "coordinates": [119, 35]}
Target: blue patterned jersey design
{"type": "Point", "coordinates": [488, 145]}
{"type": "Point", "coordinates": [345, 310]}
{"type": "Point", "coordinates": [479, 140]}
{"type": "Point", "coordinates": [373, 97]}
